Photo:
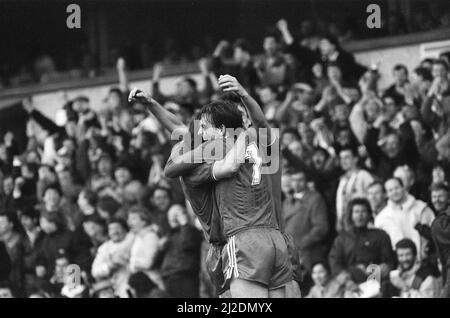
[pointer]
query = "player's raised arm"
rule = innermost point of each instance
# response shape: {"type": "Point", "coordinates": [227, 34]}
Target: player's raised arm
{"type": "Point", "coordinates": [166, 118]}
{"type": "Point", "coordinates": [229, 83]}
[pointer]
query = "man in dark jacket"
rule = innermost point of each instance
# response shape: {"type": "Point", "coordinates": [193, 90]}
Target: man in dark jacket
{"type": "Point", "coordinates": [355, 250]}
{"type": "Point", "coordinates": [141, 286]}
{"type": "Point", "coordinates": [392, 150]}
{"type": "Point", "coordinates": [241, 66]}
{"type": "Point", "coordinates": [13, 242]}
{"type": "Point", "coordinates": [32, 240]}
{"type": "Point", "coordinates": [413, 278]}
{"type": "Point", "coordinates": [440, 231]}
{"type": "Point", "coordinates": [306, 220]}
{"type": "Point", "coordinates": [181, 264]}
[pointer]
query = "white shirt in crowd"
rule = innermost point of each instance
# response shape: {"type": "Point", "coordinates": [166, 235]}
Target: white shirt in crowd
{"type": "Point", "coordinates": [351, 186]}
{"type": "Point", "coordinates": [110, 253]}
{"type": "Point", "coordinates": [398, 221]}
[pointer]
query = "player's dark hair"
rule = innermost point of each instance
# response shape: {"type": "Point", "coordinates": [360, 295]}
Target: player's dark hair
{"type": "Point", "coordinates": [223, 113]}
{"type": "Point", "coordinates": [230, 97]}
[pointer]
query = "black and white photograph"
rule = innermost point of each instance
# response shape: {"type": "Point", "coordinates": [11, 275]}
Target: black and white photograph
{"type": "Point", "coordinates": [222, 149]}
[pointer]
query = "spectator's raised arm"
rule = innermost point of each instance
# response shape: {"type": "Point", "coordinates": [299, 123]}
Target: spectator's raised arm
{"type": "Point", "coordinates": [156, 76]}
{"type": "Point", "coordinates": [282, 26]}
{"type": "Point", "coordinates": [124, 83]}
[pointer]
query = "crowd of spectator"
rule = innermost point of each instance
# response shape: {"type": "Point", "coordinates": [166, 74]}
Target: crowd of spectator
{"type": "Point", "coordinates": [43, 67]}
{"type": "Point", "coordinates": [86, 211]}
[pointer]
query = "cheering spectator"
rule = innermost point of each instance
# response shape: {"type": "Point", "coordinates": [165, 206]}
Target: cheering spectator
{"type": "Point", "coordinates": [305, 57]}
{"type": "Point", "coordinates": [241, 66]}
{"type": "Point", "coordinates": [181, 263]}
{"type": "Point", "coordinates": [160, 202]}
{"type": "Point", "coordinates": [413, 278]}
{"type": "Point", "coordinates": [32, 241]}
{"type": "Point", "coordinates": [111, 261]}
{"type": "Point", "coordinates": [145, 251]}
{"type": "Point", "coordinates": [13, 241]}
{"type": "Point", "coordinates": [273, 68]}
{"type": "Point", "coordinates": [354, 250]}
{"type": "Point", "coordinates": [377, 197]}
{"type": "Point", "coordinates": [305, 216]}
{"type": "Point", "coordinates": [404, 216]}
{"type": "Point", "coordinates": [401, 88]}
{"type": "Point", "coordinates": [332, 53]}
{"type": "Point", "coordinates": [354, 183]}
{"type": "Point", "coordinates": [324, 285]}
{"type": "Point", "coordinates": [440, 232]}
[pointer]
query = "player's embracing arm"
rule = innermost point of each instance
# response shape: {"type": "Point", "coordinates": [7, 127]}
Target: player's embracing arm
{"type": "Point", "coordinates": [181, 162]}
{"type": "Point", "coordinates": [167, 119]}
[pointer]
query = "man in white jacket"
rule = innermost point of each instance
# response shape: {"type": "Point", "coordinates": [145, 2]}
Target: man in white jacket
{"type": "Point", "coordinates": [112, 259]}
{"type": "Point", "coordinates": [403, 216]}
{"type": "Point", "coordinates": [146, 247]}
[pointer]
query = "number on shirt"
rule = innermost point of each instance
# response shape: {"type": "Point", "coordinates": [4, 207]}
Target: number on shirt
{"type": "Point", "coordinates": [252, 153]}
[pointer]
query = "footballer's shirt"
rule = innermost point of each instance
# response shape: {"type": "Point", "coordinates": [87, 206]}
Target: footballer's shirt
{"type": "Point", "coordinates": [198, 187]}
{"type": "Point", "coordinates": [245, 200]}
